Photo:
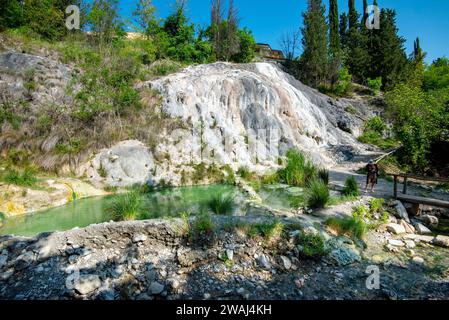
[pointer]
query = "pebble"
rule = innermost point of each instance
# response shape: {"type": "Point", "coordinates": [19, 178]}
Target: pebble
{"type": "Point", "coordinates": [156, 288]}
{"type": "Point", "coordinates": [396, 243]}
{"type": "Point", "coordinates": [418, 260]}
{"type": "Point", "coordinates": [139, 238]}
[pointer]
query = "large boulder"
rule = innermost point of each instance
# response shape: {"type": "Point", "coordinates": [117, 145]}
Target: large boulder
{"type": "Point", "coordinates": [251, 115]}
{"type": "Point", "coordinates": [125, 164]}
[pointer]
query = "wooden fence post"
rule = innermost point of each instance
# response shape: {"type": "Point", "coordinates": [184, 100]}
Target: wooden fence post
{"type": "Point", "coordinates": [395, 187]}
{"type": "Point", "coordinates": [405, 185]}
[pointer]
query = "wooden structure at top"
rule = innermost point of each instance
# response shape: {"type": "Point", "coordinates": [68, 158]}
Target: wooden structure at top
{"type": "Point", "coordinates": [416, 200]}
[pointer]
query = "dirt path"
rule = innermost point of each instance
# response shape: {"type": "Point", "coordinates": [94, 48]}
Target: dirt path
{"type": "Point", "coordinates": [384, 189]}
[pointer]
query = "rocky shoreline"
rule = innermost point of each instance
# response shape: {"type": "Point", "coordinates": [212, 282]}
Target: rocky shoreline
{"type": "Point", "coordinates": [157, 259]}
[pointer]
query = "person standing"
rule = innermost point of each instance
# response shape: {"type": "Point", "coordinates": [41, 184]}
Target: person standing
{"type": "Point", "coordinates": [372, 175]}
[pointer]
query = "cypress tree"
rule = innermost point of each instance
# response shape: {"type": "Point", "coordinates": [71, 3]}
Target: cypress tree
{"type": "Point", "coordinates": [353, 16]}
{"type": "Point", "coordinates": [314, 60]}
{"type": "Point", "coordinates": [344, 30]}
{"type": "Point", "coordinates": [365, 14]}
{"type": "Point", "coordinates": [388, 57]}
{"type": "Point", "coordinates": [334, 35]}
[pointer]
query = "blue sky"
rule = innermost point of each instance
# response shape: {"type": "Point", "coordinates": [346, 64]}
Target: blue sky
{"type": "Point", "coordinates": [268, 19]}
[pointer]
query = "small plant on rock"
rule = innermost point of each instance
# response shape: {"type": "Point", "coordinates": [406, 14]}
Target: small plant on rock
{"type": "Point", "coordinates": [312, 245]}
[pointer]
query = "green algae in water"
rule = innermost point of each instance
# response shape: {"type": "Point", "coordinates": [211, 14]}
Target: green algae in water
{"type": "Point", "coordinates": [282, 197]}
{"type": "Point", "coordinates": [82, 213]}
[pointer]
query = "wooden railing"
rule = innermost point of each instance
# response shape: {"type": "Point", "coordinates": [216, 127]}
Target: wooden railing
{"type": "Point", "coordinates": [414, 199]}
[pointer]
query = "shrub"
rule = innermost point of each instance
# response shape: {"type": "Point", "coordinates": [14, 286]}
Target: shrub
{"type": "Point", "coordinates": [222, 204]}
{"type": "Point", "coordinates": [229, 177]}
{"type": "Point", "coordinates": [126, 207]}
{"type": "Point", "coordinates": [299, 171]}
{"type": "Point", "coordinates": [244, 173]}
{"type": "Point", "coordinates": [351, 188]}
{"type": "Point", "coordinates": [376, 205]}
{"type": "Point", "coordinates": [317, 194]}
{"type": "Point", "coordinates": [270, 230]}
{"type": "Point", "coordinates": [351, 226]}
{"type": "Point", "coordinates": [343, 86]}
{"type": "Point", "coordinates": [313, 245]}
{"type": "Point", "coordinates": [202, 224]}
{"type": "Point", "coordinates": [323, 175]}
{"type": "Point", "coordinates": [375, 84]}
{"type": "Point", "coordinates": [272, 178]}
{"type": "Point", "coordinates": [27, 178]}
{"type": "Point", "coordinates": [377, 125]}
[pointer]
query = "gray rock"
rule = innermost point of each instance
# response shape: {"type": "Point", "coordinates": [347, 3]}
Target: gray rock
{"type": "Point", "coordinates": [442, 241]}
{"type": "Point", "coordinates": [429, 220]}
{"type": "Point", "coordinates": [125, 164]}
{"type": "Point", "coordinates": [286, 263]}
{"type": "Point", "coordinates": [410, 244]}
{"type": "Point", "coordinates": [263, 261]}
{"type": "Point", "coordinates": [401, 211]}
{"type": "Point", "coordinates": [87, 284]}
{"type": "Point", "coordinates": [3, 260]}
{"type": "Point", "coordinates": [344, 256]}
{"type": "Point", "coordinates": [422, 229]}
{"type": "Point", "coordinates": [156, 288]}
{"type": "Point", "coordinates": [24, 260]}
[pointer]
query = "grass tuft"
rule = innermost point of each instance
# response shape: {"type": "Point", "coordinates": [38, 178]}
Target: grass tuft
{"type": "Point", "coordinates": [317, 194]}
{"type": "Point", "coordinates": [126, 207]}
{"type": "Point", "coordinates": [222, 204]}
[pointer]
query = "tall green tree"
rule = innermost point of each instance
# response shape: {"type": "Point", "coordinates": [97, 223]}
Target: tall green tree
{"type": "Point", "coordinates": [343, 29]}
{"type": "Point", "coordinates": [334, 34]}
{"type": "Point", "coordinates": [387, 52]}
{"type": "Point", "coordinates": [314, 60]}
{"type": "Point", "coordinates": [357, 58]}
{"type": "Point", "coordinates": [145, 15]}
{"type": "Point", "coordinates": [104, 21]}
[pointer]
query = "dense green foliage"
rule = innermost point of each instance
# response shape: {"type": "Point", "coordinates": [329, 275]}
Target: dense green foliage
{"type": "Point", "coordinates": [314, 60]}
{"type": "Point", "coordinates": [26, 178]}
{"type": "Point", "coordinates": [299, 171]}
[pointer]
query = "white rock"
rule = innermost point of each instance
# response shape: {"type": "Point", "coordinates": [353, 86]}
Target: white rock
{"type": "Point", "coordinates": [418, 260]}
{"type": "Point", "coordinates": [410, 244]}
{"type": "Point", "coordinates": [396, 243]}
{"type": "Point", "coordinates": [139, 238]}
{"type": "Point", "coordinates": [230, 254]}
{"type": "Point", "coordinates": [395, 228]}
{"type": "Point", "coordinates": [87, 284]}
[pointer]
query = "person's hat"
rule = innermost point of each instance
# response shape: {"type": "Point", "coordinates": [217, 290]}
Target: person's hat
{"type": "Point", "coordinates": [371, 162]}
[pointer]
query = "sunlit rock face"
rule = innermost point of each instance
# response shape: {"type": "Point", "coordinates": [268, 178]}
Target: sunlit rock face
{"type": "Point", "coordinates": [250, 115]}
